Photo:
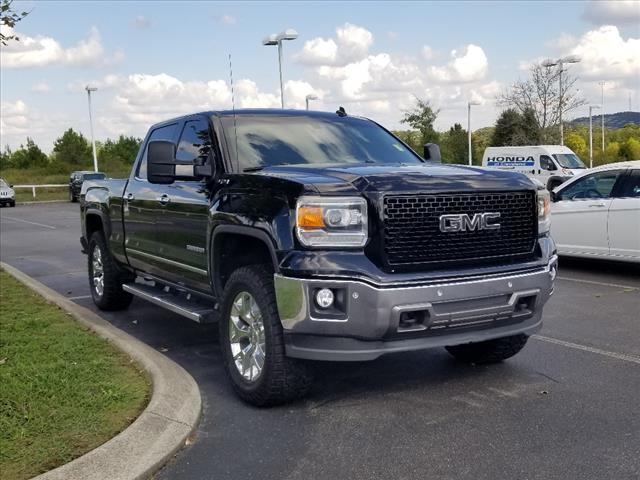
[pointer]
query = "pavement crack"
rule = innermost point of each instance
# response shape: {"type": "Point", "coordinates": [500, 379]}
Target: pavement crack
{"type": "Point", "coordinates": [169, 418]}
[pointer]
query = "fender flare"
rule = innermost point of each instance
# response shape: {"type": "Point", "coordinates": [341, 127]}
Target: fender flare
{"type": "Point", "coordinates": [106, 224]}
{"type": "Point", "coordinates": [247, 231]}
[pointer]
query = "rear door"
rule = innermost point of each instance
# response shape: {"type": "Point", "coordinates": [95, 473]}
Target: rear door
{"type": "Point", "coordinates": [184, 207]}
{"type": "Point", "coordinates": [579, 216]}
{"type": "Point", "coordinates": [624, 218]}
{"type": "Point", "coordinates": [141, 208]}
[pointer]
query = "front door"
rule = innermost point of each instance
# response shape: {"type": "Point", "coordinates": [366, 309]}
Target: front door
{"type": "Point", "coordinates": [141, 208]}
{"type": "Point", "coordinates": [579, 216]}
{"type": "Point", "coordinates": [182, 220]}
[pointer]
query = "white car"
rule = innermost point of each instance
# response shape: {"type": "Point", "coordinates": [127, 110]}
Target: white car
{"type": "Point", "coordinates": [597, 214]}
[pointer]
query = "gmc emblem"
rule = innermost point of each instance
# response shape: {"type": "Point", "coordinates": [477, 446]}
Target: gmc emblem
{"type": "Point", "coordinates": [462, 222]}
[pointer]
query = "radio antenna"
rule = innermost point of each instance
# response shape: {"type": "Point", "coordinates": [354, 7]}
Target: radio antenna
{"type": "Point", "coordinates": [233, 107]}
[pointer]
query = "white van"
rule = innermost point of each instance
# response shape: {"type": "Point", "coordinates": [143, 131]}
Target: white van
{"type": "Point", "coordinates": [550, 164]}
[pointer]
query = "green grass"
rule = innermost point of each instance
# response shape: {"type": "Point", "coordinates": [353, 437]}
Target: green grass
{"type": "Point", "coordinates": [42, 194]}
{"type": "Point", "coordinates": [63, 390]}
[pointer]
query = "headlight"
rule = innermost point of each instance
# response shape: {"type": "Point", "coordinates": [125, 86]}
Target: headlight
{"type": "Point", "coordinates": [544, 210]}
{"type": "Point", "coordinates": [331, 221]}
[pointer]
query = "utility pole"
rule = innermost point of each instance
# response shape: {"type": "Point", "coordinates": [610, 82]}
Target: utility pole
{"type": "Point", "coordinates": [560, 63]}
{"type": "Point", "coordinates": [591, 108]}
{"type": "Point", "coordinates": [602, 115]}
{"type": "Point", "coordinates": [469, 129]}
{"type": "Point", "coordinates": [93, 141]}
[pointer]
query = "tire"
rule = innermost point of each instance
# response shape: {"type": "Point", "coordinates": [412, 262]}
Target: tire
{"type": "Point", "coordinates": [491, 351]}
{"type": "Point", "coordinates": [553, 183]}
{"type": "Point", "coordinates": [107, 294]}
{"type": "Point", "coordinates": [72, 197]}
{"type": "Point", "coordinates": [280, 379]}
{"type": "Point", "coordinates": [12, 204]}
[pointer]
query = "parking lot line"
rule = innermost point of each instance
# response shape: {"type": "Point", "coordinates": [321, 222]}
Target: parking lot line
{"type": "Point", "coordinates": [619, 356]}
{"type": "Point", "coordinates": [27, 221]}
{"type": "Point", "coordinates": [593, 282]}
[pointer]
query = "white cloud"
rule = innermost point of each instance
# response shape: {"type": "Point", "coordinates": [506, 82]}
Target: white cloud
{"type": "Point", "coordinates": [428, 53]}
{"type": "Point", "coordinates": [141, 22]}
{"type": "Point", "coordinates": [606, 55]}
{"type": "Point", "coordinates": [108, 82]}
{"type": "Point", "coordinates": [226, 19]}
{"type": "Point", "coordinates": [351, 44]}
{"type": "Point", "coordinates": [467, 66]}
{"type": "Point", "coordinates": [18, 121]}
{"type": "Point", "coordinates": [41, 87]}
{"type": "Point", "coordinates": [616, 12]}
{"type": "Point", "coordinates": [43, 51]}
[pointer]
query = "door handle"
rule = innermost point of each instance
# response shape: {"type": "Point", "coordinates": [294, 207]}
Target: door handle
{"type": "Point", "coordinates": [164, 199]}
{"type": "Point", "coordinates": [596, 205]}
{"type": "Point", "coordinates": [130, 196]}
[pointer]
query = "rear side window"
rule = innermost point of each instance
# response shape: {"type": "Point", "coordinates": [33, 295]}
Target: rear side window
{"type": "Point", "coordinates": [168, 132]}
{"type": "Point", "coordinates": [194, 146]}
{"type": "Point", "coordinates": [632, 185]}
{"type": "Point", "coordinates": [594, 186]}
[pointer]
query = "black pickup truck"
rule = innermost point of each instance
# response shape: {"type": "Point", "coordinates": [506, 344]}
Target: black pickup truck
{"type": "Point", "coordinates": [319, 236]}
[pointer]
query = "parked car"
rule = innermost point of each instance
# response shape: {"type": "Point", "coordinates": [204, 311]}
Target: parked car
{"type": "Point", "coordinates": [7, 194]}
{"type": "Point", "coordinates": [549, 164]}
{"type": "Point", "coordinates": [597, 214]}
{"type": "Point", "coordinates": [77, 178]}
{"type": "Point", "coordinates": [319, 236]}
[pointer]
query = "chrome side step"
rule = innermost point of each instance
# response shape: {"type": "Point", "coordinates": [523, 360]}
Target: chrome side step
{"type": "Point", "coordinates": [175, 302]}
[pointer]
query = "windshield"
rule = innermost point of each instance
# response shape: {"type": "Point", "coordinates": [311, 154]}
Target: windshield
{"type": "Point", "coordinates": [569, 160]}
{"type": "Point", "coordinates": [94, 176]}
{"type": "Point", "coordinates": [269, 140]}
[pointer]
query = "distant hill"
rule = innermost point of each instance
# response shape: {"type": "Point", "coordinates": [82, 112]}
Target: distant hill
{"type": "Point", "coordinates": [612, 120]}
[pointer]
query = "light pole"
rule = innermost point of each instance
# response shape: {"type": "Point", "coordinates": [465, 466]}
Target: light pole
{"type": "Point", "coordinates": [311, 96]}
{"type": "Point", "coordinates": [93, 141]}
{"type": "Point", "coordinates": [602, 115]}
{"type": "Point", "coordinates": [469, 128]}
{"type": "Point", "coordinates": [561, 62]}
{"type": "Point", "coordinates": [591, 108]}
{"type": "Point", "coordinates": [276, 39]}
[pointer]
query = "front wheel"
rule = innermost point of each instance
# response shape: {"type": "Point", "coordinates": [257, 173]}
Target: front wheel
{"type": "Point", "coordinates": [491, 351]}
{"type": "Point", "coordinates": [72, 197]}
{"type": "Point", "coordinates": [252, 341]}
{"type": "Point", "coordinates": [105, 277]}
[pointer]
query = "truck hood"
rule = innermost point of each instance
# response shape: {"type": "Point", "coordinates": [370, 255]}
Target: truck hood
{"type": "Point", "coordinates": [350, 178]}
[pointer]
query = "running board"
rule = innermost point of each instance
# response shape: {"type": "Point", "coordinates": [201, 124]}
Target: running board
{"type": "Point", "coordinates": [177, 303]}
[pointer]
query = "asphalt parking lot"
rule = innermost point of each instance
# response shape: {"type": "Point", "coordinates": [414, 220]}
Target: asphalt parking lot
{"type": "Point", "coordinates": [565, 407]}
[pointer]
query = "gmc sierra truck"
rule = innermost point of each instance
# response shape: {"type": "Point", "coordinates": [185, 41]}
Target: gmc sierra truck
{"type": "Point", "coordinates": [319, 236]}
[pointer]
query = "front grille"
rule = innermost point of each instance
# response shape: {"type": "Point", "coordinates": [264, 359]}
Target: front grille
{"type": "Point", "coordinates": [412, 227]}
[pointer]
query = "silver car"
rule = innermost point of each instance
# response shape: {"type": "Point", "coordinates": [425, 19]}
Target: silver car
{"type": "Point", "coordinates": [7, 195]}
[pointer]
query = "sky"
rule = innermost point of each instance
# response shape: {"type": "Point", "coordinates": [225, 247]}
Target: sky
{"type": "Point", "coordinates": [151, 60]}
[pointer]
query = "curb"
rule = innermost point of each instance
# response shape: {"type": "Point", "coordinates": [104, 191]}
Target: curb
{"type": "Point", "coordinates": [161, 429]}
{"type": "Point", "coordinates": [39, 202]}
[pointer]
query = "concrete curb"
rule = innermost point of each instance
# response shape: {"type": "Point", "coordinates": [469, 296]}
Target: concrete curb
{"type": "Point", "coordinates": [161, 429]}
{"type": "Point", "coordinates": [40, 202]}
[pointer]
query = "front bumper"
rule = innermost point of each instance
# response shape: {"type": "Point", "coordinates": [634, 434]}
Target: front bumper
{"type": "Point", "coordinates": [7, 200]}
{"type": "Point", "coordinates": [372, 320]}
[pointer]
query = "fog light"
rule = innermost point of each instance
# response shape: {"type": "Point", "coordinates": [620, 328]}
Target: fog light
{"type": "Point", "coordinates": [324, 298]}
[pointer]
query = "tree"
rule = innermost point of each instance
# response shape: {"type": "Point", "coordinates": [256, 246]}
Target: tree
{"type": "Point", "coordinates": [9, 18]}
{"type": "Point", "coordinates": [630, 150]}
{"type": "Point", "coordinates": [513, 128]}
{"type": "Point", "coordinates": [454, 144]}
{"type": "Point", "coordinates": [578, 144]}
{"type": "Point", "coordinates": [421, 118]}
{"type": "Point", "coordinates": [123, 150]}
{"type": "Point", "coordinates": [5, 158]}
{"type": "Point", "coordinates": [29, 156]}
{"type": "Point", "coordinates": [72, 148]}
{"type": "Point", "coordinates": [541, 94]}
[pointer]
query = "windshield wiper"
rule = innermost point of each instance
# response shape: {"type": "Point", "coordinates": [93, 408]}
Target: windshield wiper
{"type": "Point", "coordinates": [252, 169]}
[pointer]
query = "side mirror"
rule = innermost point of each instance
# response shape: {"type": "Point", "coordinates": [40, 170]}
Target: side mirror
{"type": "Point", "coordinates": [161, 162]}
{"type": "Point", "coordinates": [432, 153]}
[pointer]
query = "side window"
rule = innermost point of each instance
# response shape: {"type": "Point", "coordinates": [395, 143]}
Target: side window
{"type": "Point", "coordinates": [632, 185]}
{"type": "Point", "coordinates": [163, 133]}
{"type": "Point", "coordinates": [596, 185]}
{"type": "Point", "coordinates": [546, 163]}
{"type": "Point", "coordinates": [194, 146]}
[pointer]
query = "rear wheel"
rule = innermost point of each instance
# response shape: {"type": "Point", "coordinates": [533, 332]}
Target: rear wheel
{"type": "Point", "coordinates": [491, 351]}
{"type": "Point", "coordinates": [105, 277]}
{"type": "Point", "coordinates": [72, 198]}
{"type": "Point", "coordinates": [252, 341]}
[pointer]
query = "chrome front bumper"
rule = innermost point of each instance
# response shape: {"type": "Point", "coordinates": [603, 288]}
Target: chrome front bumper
{"type": "Point", "coordinates": [373, 319]}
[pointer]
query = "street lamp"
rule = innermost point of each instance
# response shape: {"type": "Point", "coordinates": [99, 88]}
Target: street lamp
{"type": "Point", "coordinates": [560, 62]}
{"type": "Point", "coordinates": [311, 96]}
{"type": "Point", "coordinates": [469, 127]}
{"type": "Point", "coordinates": [276, 39]}
{"type": "Point", "coordinates": [591, 108]}
{"type": "Point", "coordinates": [93, 141]}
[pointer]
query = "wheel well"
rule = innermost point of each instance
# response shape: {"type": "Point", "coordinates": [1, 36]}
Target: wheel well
{"type": "Point", "coordinates": [232, 251]}
{"type": "Point", "coordinates": [93, 223]}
